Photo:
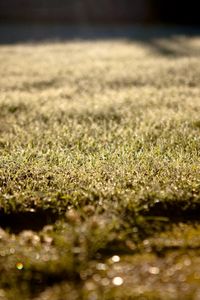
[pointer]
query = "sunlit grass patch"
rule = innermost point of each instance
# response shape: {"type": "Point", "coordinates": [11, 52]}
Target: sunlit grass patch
{"type": "Point", "coordinates": [99, 170]}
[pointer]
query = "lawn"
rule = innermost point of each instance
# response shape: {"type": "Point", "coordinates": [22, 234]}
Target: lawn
{"type": "Point", "coordinates": [100, 168]}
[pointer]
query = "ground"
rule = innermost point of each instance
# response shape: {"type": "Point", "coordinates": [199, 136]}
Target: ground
{"type": "Point", "coordinates": [100, 166]}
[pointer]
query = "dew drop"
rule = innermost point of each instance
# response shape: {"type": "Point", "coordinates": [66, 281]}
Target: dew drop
{"type": "Point", "coordinates": [101, 267]}
{"type": "Point", "coordinates": [19, 266]}
{"type": "Point", "coordinates": [115, 258]}
{"type": "Point", "coordinates": [117, 281]}
{"type": "Point", "coordinates": [105, 281]}
{"type": "Point", "coordinates": [154, 270]}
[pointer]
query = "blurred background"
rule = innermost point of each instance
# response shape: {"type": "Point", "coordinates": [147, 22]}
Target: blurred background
{"type": "Point", "coordinates": [100, 12]}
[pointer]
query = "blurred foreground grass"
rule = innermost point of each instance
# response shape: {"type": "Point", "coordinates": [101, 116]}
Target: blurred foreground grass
{"type": "Point", "coordinates": [100, 170]}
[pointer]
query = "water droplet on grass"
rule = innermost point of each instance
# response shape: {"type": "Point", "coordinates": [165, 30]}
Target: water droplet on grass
{"type": "Point", "coordinates": [101, 267]}
{"type": "Point", "coordinates": [105, 281]}
{"type": "Point", "coordinates": [117, 281]}
{"type": "Point", "coordinates": [12, 250]}
{"type": "Point", "coordinates": [154, 270]}
{"type": "Point", "coordinates": [115, 258]}
{"type": "Point", "coordinates": [19, 266]}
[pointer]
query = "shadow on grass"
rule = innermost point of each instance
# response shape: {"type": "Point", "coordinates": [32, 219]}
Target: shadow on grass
{"type": "Point", "coordinates": [151, 37]}
{"type": "Point", "coordinates": [175, 211]}
{"type": "Point", "coordinates": [16, 222]}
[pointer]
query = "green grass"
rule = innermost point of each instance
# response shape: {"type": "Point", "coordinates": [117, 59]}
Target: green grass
{"type": "Point", "coordinates": [100, 170]}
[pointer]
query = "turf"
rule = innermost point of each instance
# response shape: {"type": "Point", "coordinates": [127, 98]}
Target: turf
{"type": "Point", "coordinates": [100, 169]}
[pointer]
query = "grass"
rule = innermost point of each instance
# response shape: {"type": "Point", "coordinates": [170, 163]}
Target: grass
{"type": "Point", "coordinates": [99, 169]}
